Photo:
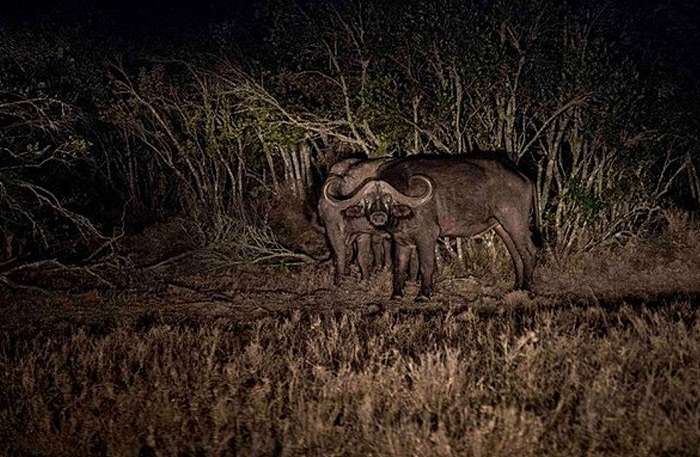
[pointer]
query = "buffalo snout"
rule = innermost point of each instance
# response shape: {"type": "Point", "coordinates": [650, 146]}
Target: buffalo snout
{"type": "Point", "coordinates": [379, 218]}
{"type": "Point", "coordinates": [379, 208]}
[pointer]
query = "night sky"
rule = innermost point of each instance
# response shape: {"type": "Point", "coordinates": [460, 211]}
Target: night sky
{"type": "Point", "coordinates": [662, 34]}
{"type": "Point", "coordinates": [135, 18]}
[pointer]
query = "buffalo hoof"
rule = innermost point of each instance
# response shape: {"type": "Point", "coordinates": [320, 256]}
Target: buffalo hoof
{"type": "Point", "coordinates": [395, 297]}
{"type": "Point", "coordinates": [422, 298]}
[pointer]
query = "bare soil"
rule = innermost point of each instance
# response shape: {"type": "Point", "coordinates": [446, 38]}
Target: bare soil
{"type": "Point", "coordinates": [167, 280]}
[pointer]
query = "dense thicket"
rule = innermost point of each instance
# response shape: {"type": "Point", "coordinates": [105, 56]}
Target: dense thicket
{"type": "Point", "coordinates": [103, 132]}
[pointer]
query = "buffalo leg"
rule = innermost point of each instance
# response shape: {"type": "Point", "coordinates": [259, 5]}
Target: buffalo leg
{"type": "Point", "coordinates": [514, 254]}
{"type": "Point", "coordinates": [364, 255]}
{"type": "Point", "coordinates": [426, 256]}
{"type": "Point", "coordinates": [381, 248]}
{"type": "Point", "coordinates": [517, 227]}
{"type": "Point", "coordinates": [386, 265]}
{"type": "Point", "coordinates": [402, 256]}
{"type": "Point", "coordinates": [413, 266]}
{"type": "Point", "coordinates": [528, 252]}
{"type": "Point", "coordinates": [336, 240]}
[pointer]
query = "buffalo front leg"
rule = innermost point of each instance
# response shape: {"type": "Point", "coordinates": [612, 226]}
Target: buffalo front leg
{"type": "Point", "coordinates": [413, 267]}
{"type": "Point", "coordinates": [364, 255]}
{"type": "Point", "coordinates": [402, 257]}
{"type": "Point", "coordinates": [337, 244]}
{"type": "Point", "coordinates": [381, 251]}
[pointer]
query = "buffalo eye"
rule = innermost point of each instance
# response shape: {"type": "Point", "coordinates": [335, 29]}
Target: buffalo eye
{"type": "Point", "coordinates": [402, 211]}
{"type": "Point", "coordinates": [353, 211]}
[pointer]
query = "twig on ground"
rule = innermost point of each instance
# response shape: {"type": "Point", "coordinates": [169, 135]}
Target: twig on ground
{"type": "Point", "coordinates": [53, 265]}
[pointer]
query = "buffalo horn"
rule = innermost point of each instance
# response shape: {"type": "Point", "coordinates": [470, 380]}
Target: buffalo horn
{"type": "Point", "coordinates": [408, 199]}
{"type": "Point", "coordinates": [346, 202]}
{"type": "Point", "coordinates": [358, 194]}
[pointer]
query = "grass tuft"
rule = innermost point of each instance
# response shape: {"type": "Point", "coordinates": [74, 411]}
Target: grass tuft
{"type": "Point", "coordinates": [571, 380]}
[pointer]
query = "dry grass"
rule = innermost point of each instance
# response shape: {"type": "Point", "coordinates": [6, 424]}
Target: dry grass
{"type": "Point", "coordinates": [602, 360]}
{"type": "Point", "coordinates": [567, 381]}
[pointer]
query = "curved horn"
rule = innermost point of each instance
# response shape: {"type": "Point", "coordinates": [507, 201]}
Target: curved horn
{"type": "Point", "coordinates": [349, 200]}
{"type": "Point", "coordinates": [413, 201]}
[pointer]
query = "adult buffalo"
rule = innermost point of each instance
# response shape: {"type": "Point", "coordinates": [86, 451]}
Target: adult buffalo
{"type": "Point", "coordinates": [342, 232]}
{"type": "Point", "coordinates": [419, 198]}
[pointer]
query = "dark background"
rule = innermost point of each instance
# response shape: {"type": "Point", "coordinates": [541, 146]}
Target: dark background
{"type": "Point", "coordinates": [665, 31]}
{"type": "Point", "coordinates": [660, 37]}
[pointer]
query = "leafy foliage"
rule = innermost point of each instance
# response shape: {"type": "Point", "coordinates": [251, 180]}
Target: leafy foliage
{"type": "Point", "coordinates": [151, 132]}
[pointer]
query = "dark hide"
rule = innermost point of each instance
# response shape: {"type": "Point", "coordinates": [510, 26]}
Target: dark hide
{"type": "Point", "coordinates": [471, 196]}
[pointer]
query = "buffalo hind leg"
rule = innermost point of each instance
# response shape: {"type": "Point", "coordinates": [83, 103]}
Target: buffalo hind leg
{"type": "Point", "coordinates": [528, 252]}
{"type": "Point", "coordinates": [514, 252]}
{"type": "Point", "coordinates": [517, 228]}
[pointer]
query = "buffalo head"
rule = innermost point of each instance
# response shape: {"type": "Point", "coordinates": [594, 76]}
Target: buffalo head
{"type": "Point", "coordinates": [379, 201]}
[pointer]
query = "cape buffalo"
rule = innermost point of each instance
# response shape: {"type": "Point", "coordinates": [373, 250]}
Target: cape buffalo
{"type": "Point", "coordinates": [419, 198]}
{"type": "Point", "coordinates": [342, 232]}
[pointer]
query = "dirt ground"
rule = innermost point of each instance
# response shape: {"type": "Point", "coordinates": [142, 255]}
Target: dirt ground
{"type": "Point", "coordinates": [180, 284]}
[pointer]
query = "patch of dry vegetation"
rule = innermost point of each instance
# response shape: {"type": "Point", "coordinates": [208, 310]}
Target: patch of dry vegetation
{"type": "Point", "coordinates": [570, 380]}
{"type": "Point", "coordinates": [200, 357]}
{"type": "Point", "coordinates": [666, 263]}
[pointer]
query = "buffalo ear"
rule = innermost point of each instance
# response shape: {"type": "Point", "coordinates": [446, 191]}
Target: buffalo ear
{"type": "Point", "coordinates": [353, 212]}
{"type": "Point", "coordinates": [402, 211]}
